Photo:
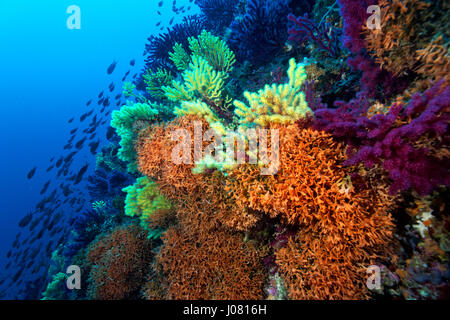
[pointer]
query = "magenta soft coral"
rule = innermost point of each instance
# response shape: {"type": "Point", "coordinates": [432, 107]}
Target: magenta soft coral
{"type": "Point", "coordinates": [394, 140]}
{"type": "Point", "coordinates": [322, 34]}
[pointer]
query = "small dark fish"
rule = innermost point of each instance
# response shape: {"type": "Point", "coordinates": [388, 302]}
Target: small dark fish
{"type": "Point", "coordinates": [132, 62]}
{"type": "Point", "coordinates": [31, 173]}
{"type": "Point", "coordinates": [70, 120]}
{"type": "Point", "coordinates": [34, 223]}
{"type": "Point", "coordinates": [118, 96]}
{"type": "Point", "coordinates": [25, 220]}
{"type": "Point", "coordinates": [17, 275]}
{"type": "Point", "coordinates": [159, 13]}
{"type": "Point", "coordinates": [83, 117]}
{"type": "Point", "coordinates": [93, 146]}
{"type": "Point", "coordinates": [135, 75]}
{"type": "Point", "coordinates": [50, 168]}
{"type": "Point", "coordinates": [160, 3]}
{"type": "Point", "coordinates": [99, 102]}
{"type": "Point", "coordinates": [106, 102]}
{"type": "Point", "coordinates": [44, 189]}
{"type": "Point", "coordinates": [109, 111]}
{"type": "Point", "coordinates": [110, 133]}
{"type": "Point", "coordinates": [67, 147]}
{"type": "Point", "coordinates": [117, 104]}
{"type": "Point", "coordinates": [81, 174]}
{"type": "Point", "coordinates": [69, 156]}
{"type": "Point", "coordinates": [89, 102]}
{"type": "Point", "coordinates": [111, 67]}
{"type": "Point", "coordinates": [80, 143]}
{"type": "Point", "coordinates": [102, 109]}
{"type": "Point", "coordinates": [158, 24]}
{"type": "Point", "coordinates": [171, 21]}
{"type": "Point", "coordinates": [100, 95]}
{"type": "Point", "coordinates": [73, 131]}
{"type": "Point", "coordinates": [59, 162]}
{"type": "Point", "coordinates": [92, 136]}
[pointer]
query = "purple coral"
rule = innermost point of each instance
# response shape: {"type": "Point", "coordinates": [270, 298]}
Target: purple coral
{"type": "Point", "coordinates": [391, 139]}
{"type": "Point", "coordinates": [323, 34]}
{"type": "Point", "coordinates": [354, 14]}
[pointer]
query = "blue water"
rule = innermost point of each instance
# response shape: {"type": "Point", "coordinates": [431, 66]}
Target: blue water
{"type": "Point", "coordinates": [47, 73]}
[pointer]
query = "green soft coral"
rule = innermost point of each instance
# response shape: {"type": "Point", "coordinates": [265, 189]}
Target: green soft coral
{"type": "Point", "coordinates": [180, 57]}
{"type": "Point", "coordinates": [201, 81]}
{"type": "Point", "coordinates": [143, 200]}
{"type": "Point", "coordinates": [214, 50]}
{"type": "Point", "coordinates": [154, 81]}
{"type": "Point", "coordinates": [128, 121]}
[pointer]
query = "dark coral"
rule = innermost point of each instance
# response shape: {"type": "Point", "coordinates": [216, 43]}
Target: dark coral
{"type": "Point", "coordinates": [261, 32]}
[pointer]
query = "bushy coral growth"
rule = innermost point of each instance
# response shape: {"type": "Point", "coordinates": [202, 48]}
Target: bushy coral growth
{"type": "Point", "coordinates": [342, 229]}
{"type": "Point", "coordinates": [119, 262]}
{"type": "Point", "coordinates": [193, 194]}
{"type": "Point", "coordinates": [143, 200]}
{"type": "Point", "coordinates": [218, 263]}
{"type": "Point", "coordinates": [128, 121]}
{"type": "Point", "coordinates": [158, 47]}
{"type": "Point", "coordinates": [283, 103]}
{"type": "Point", "coordinates": [261, 32]}
{"type": "Point", "coordinates": [409, 141]}
{"type": "Point", "coordinates": [218, 13]}
{"type": "Point", "coordinates": [409, 36]}
{"type": "Point", "coordinates": [211, 265]}
{"type": "Point", "coordinates": [303, 29]}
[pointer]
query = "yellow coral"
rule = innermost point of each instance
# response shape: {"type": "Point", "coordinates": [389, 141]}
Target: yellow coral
{"type": "Point", "coordinates": [284, 103]}
{"type": "Point", "coordinates": [200, 81]}
{"type": "Point", "coordinates": [196, 107]}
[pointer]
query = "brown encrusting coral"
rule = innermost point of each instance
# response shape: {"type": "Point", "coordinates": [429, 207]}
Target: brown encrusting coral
{"type": "Point", "coordinates": [193, 194]}
{"type": "Point", "coordinates": [211, 265]}
{"type": "Point", "coordinates": [201, 256]}
{"type": "Point", "coordinates": [342, 229]}
{"type": "Point", "coordinates": [410, 40]}
{"type": "Point", "coordinates": [119, 262]}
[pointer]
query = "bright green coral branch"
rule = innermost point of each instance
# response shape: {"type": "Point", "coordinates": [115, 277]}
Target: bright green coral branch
{"type": "Point", "coordinates": [127, 121]}
{"type": "Point", "coordinates": [214, 50]}
{"type": "Point", "coordinates": [143, 199]}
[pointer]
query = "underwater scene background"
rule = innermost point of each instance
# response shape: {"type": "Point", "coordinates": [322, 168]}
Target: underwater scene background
{"type": "Point", "coordinates": [224, 149]}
